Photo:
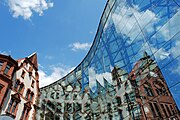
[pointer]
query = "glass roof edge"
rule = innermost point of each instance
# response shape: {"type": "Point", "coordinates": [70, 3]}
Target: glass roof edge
{"type": "Point", "coordinates": [94, 41]}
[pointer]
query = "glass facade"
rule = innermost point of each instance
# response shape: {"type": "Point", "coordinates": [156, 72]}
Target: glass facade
{"type": "Point", "coordinates": [134, 59]}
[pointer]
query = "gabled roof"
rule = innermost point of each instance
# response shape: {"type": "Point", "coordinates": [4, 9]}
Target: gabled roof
{"type": "Point", "coordinates": [33, 59]}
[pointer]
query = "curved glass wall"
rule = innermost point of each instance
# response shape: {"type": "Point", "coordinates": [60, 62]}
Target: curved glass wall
{"type": "Point", "coordinates": [134, 59]}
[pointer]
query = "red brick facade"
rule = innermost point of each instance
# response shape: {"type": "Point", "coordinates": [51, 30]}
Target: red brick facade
{"type": "Point", "coordinates": [152, 92]}
{"type": "Point", "coordinates": [7, 68]}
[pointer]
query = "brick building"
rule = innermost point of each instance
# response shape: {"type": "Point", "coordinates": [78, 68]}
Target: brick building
{"type": "Point", "coordinates": [19, 87]}
{"type": "Point", "coordinates": [152, 92]}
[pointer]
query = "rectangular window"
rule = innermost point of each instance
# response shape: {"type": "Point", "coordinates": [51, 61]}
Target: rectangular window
{"type": "Point", "coordinates": [16, 84]}
{"type": "Point", "coordinates": [23, 74]}
{"type": "Point", "coordinates": [31, 96]}
{"type": "Point", "coordinates": [14, 107]}
{"type": "Point", "coordinates": [21, 88]}
{"type": "Point", "coordinates": [10, 105]}
{"type": "Point", "coordinates": [1, 87]}
{"type": "Point", "coordinates": [27, 113]}
{"type": "Point", "coordinates": [22, 115]}
{"type": "Point", "coordinates": [1, 64]}
{"type": "Point", "coordinates": [27, 94]}
{"type": "Point", "coordinates": [32, 84]}
{"type": "Point", "coordinates": [7, 69]}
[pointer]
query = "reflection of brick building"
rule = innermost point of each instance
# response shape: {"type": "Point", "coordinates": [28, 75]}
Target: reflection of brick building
{"type": "Point", "coordinates": [152, 92]}
{"type": "Point", "coordinates": [140, 95]}
{"type": "Point", "coordinates": [19, 87]}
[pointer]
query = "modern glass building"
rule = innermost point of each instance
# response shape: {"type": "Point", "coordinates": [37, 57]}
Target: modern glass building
{"type": "Point", "coordinates": [132, 70]}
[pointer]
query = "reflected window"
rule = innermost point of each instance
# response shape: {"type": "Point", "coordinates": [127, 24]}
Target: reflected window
{"type": "Point", "coordinates": [148, 89]}
{"type": "Point", "coordinates": [68, 107]}
{"type": "Point", "coordinates": [160, 88]}
{"type": "Point", "coordinates": [52, 95]}
{"type": "Point", "coordinates": [169, 111]}
{"type": "Point", "coordinates": [126, 85]}
{"type": "Point", "coordinates": [57, 95]}
{"type": "Point", "coordinates": [157, 109]}
{"type": "Point", "coordinates": [164, 110]}
{"type": "Point", "coordinates": [152, 109]}
{"type": "Point", "coordinates": [119, 100]}
{"type": "Point", "coordinates": [109, 107]}
{"type": "Point", "coordinates": [58, 108]}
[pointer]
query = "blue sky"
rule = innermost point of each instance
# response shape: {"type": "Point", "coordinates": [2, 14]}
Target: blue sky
{"type": "Point", "coordinates": [60, 31]}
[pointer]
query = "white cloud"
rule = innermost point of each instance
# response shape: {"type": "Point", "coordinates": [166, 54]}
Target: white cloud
{"type": "Point", "coordinates": [99, 77]}
{"type": "Point", "coordinates": [171, 28]}
{"type": "Point", "coordinates": [25, 8]}
{"type": "Point", "coordinates": [125, 21]}
{"type": "Point", "coordinates": [58, 72]}
{"type": "Point", "coordinates": [159, 54]}
{"type": "Point", "coordinates": [80, 46]}
{"type": "Point", "coordinates": [176, 52]}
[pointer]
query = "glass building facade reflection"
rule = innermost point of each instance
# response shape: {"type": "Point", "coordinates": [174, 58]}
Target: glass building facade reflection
{"type": "Point", "coordinates": [132, 70]}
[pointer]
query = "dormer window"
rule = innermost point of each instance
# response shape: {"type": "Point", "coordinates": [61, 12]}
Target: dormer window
{"type": "Point", "coordinates": [23, 74]}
